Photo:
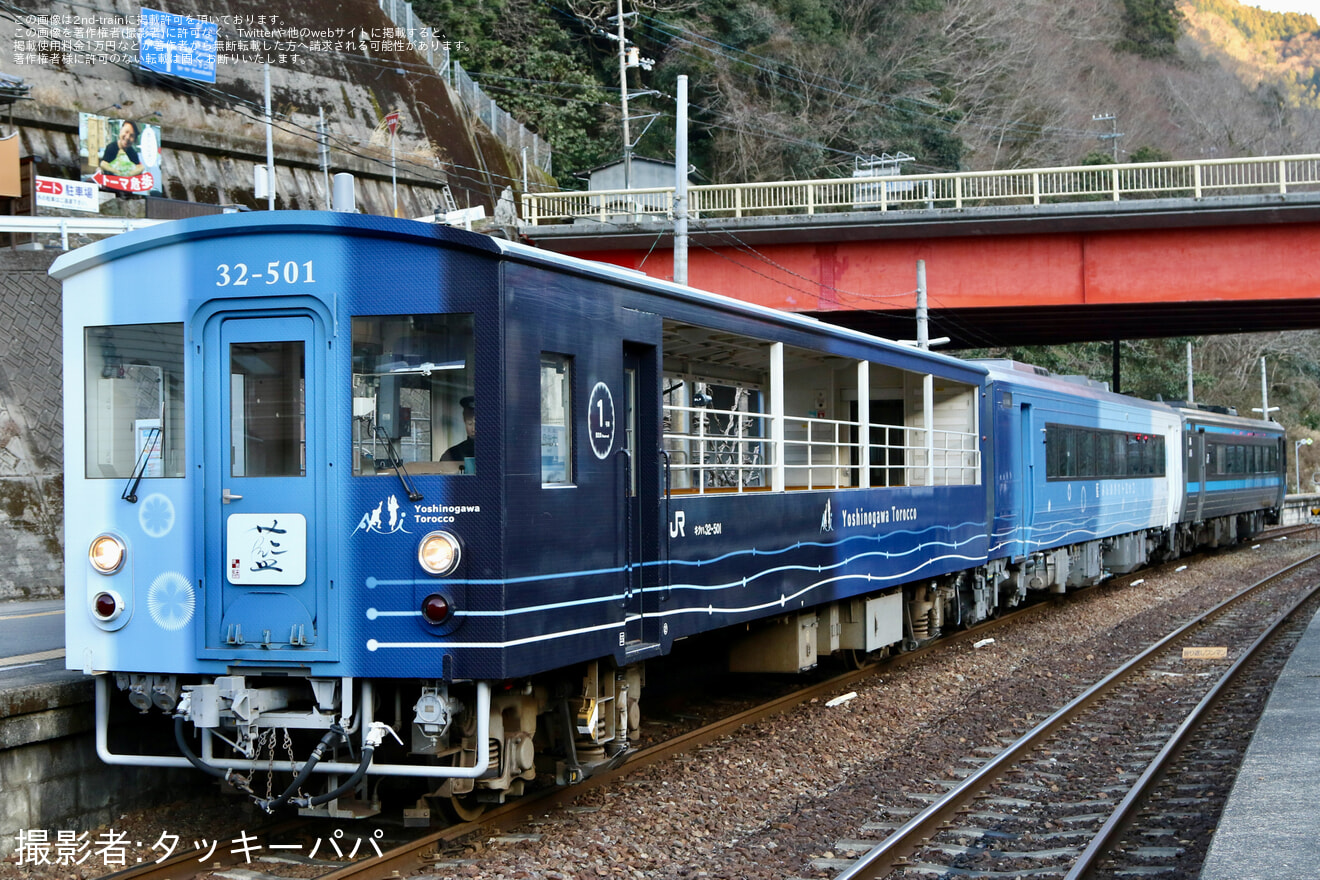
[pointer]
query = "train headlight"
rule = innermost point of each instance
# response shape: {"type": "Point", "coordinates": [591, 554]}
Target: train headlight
{"type": "Point", "coordinates": [107, 606]}
{"type": "Point", "coordinates": [107, 553]}
{"type": "Point", "coordinates": [439, 553]}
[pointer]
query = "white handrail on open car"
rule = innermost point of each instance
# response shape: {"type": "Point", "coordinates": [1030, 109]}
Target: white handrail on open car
{"type": "Point", "coordinates": [732, 451]}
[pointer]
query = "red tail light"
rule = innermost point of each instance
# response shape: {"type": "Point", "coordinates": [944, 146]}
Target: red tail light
{"type": "Point", "coordinates": [436, 609]}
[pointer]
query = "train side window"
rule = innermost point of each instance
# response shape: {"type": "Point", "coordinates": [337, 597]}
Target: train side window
{"type": "Point", "coordinates": [1068, 456]}
{"type": "Point", "coordinates": [1053, 452]}
{"type": "Point", "coordinates": [1087, 453]}
{"type": "Point", "coordinates": [134, 400]}
{"type": "Point", "coordinates": [414, 394]}
{"type": "Point", "coordinates": [1104, 455]}
{"type": "Point", "coordinates": [556, 423]}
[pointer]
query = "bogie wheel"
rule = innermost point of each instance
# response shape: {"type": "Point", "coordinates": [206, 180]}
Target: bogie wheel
{"type": "Point", "coordinates": [466, 807]}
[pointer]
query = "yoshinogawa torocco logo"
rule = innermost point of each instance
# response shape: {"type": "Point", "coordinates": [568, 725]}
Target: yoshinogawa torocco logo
{"type": "Point", "coordinates": [385, 519]}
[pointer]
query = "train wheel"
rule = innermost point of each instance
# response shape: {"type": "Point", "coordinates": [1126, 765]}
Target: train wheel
{"type": "Point", "coordinates": [855, 658]}
{"type": "Point", "coordinates": [466, 807]}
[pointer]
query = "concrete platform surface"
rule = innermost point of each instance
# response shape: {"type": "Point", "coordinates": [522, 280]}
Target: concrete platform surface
{"type": "Point", "coordinates": [32, 646]}
{"type": "Point", "coordinates": [1270, 829]}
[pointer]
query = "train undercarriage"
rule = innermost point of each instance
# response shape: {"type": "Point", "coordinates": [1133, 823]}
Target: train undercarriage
{"type": "Point", "coordinates": [471, 745]}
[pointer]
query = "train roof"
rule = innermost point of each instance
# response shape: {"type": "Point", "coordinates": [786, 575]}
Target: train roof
{"type": "Point", "coordinates": [1026, 375]}
{"type": "Point", "coordinates": [321, 222]}
{"type": "Point", "coordinates": [1216, 416]}
{"type": "Point", "coordinates": [619, 275]}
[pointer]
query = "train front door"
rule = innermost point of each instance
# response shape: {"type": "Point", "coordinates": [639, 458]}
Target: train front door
{"type": "Point", "coordinates": [264, 485]}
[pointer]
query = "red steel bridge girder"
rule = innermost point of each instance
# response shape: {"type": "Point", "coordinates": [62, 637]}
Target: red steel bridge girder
{"type": "Point", "coordinates": [1029, 287]}
{"type": "Point", "coordinates": [1145, 266]}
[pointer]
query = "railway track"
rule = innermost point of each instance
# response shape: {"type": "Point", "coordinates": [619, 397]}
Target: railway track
{"type": "Point", "coordinates": [1126, 780]}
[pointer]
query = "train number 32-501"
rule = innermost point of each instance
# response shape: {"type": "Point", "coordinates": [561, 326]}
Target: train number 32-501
{"type": "Point", "coordinates": [289, 272]}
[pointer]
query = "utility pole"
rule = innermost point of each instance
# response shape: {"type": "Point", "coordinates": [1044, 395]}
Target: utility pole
{"type": "Point", "coordinates": [1114, 133]}
{"type": "Point", "coordinates": [270, 148]}
{"type": "Point", "coordinates": [323, 152]}
{"type": "Point", "coordinates": [1264, 409]}
{"type": "Point", "coordinates": [629, 56]}
{"type": "Point", "coordinates": [680, 185]}
{"type": "Point", "coordinates": [623, 101]}
{"type": "Point", "coordinates": [1191, 389]}
{"type": "Point", "coordinates": [392, 121]}
{"type": "Point", "coordinates": [923, 325]}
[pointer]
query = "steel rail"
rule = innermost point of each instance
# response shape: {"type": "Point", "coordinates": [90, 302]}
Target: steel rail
{"type": "Point", "coordinates": [888, 854]}
{"type": "Point", "coordinates": [1119, 819]}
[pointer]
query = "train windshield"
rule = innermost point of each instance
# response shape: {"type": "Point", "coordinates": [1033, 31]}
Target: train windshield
{"type": "Point", "coordinates": [134, 400]}
{"type": "Point", "coordinates": [414, 394]}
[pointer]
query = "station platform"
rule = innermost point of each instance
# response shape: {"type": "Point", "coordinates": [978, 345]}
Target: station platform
{"type": "Point", "coordinates": [1270, 827]}
{"type": "Point", "coordinates": [51, 779]}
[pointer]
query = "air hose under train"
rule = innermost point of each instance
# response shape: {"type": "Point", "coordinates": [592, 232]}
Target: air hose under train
{"type": "Point", "coordinates": [373, 739]}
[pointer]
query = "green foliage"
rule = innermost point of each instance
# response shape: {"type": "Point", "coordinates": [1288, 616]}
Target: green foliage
{"type": "Point", "coordinates": [779, 89]}
{"type": "Point", "coordinates": [1150, 154]}
{"type": "Point", "coordinates": [1259, 25]}
{"type": "Point", "coordinates": [533, 61]}
{"type": "Point", "coordinates": [1150, 27]}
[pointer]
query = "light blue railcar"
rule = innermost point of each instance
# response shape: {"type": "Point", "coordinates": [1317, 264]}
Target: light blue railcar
{"type": "Point", "coordinates": [1086, 481]}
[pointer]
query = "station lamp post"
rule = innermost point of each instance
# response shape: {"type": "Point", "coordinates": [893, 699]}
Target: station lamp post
{"type": "Point", "coordinates": [1297, 460]}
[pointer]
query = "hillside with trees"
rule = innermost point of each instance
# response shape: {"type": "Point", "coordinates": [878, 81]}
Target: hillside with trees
{"type": "Point", "coordinates": [1279, 52]}
{"type": "Point", "coordinates": [786, 89]}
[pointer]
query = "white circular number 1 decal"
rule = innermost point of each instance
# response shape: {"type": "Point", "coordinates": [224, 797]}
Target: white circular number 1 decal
{"type": "Point", "coordinates": [600, 420]}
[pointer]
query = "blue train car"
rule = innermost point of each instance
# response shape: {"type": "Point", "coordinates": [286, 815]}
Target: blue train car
{"type": "Point", "coordinates": [1235, 479]}
{"type": "Point", "coordinates": [345, 480]}
{"type": "Point", "coordinates": [1085, 480]}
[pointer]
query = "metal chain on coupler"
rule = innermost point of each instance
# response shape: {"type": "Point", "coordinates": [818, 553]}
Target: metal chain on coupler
{"type": "Point", "coordinates": [270, 761]}
{"type": "Point", "coordinates": [293, 762]}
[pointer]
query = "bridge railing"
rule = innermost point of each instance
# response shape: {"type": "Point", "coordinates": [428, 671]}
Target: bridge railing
{"type": "Point", "coordinates": [1031, 186]}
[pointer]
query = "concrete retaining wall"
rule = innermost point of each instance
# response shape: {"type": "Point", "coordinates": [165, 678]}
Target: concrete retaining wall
{"type": "Point", "coordinates": [1297, 509]}
{"type": "Point", "coordinates": [50, 776]}
{"type": "Point", "coordinates": [31, 429]}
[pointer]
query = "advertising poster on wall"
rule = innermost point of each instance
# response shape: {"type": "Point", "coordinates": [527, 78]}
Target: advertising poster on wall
{"type": "Point", "coordinates": [67, 195]}
{"type": "Point", "coordinates": [120, 154]}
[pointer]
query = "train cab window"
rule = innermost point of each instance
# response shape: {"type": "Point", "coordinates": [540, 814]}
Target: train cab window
{"type": "Point", "coordinates": [556, 425]}
{"type": "Point", "coordinates": [414, 394]}
{"type": "Point", "coordinates": [134, 401]}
